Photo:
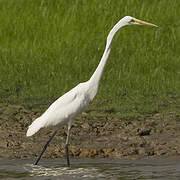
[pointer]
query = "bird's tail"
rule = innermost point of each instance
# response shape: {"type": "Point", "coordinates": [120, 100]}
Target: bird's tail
{"type": "Point", "coordinates": [35, 127]}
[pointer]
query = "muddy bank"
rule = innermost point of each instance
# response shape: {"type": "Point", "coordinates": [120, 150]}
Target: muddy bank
{"type": "Point", "coordinates": [91, 135]}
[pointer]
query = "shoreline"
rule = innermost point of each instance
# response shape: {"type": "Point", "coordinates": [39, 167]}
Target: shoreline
{"type": "Point", "coordinates": [91, 136]}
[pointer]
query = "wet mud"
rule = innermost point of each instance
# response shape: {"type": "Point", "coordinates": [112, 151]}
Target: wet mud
{"type": "Point", "coordinates": [92, 135]}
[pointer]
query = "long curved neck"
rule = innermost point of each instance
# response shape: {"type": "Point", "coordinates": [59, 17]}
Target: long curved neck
{"type": "Point", "coordinates": [96, 77]}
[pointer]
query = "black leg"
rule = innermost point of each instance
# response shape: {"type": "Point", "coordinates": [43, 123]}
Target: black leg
{"type": "Point", "coordinates": [45, 146]}
{"type": "Point", "coordinates": [67, 155]}
{"type": "Point", "coordinates": [67, 143]}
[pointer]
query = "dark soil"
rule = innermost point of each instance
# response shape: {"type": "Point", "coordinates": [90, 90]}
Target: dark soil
{"type": "Point", "coordinates": [91, 135]}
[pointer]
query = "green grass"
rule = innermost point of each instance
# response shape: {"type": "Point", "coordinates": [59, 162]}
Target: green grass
{"type": "Point", "coordinates": [49, 46]}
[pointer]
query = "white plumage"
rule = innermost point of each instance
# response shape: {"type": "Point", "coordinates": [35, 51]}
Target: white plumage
{"type": "Point", "coordinates": [65, 109]}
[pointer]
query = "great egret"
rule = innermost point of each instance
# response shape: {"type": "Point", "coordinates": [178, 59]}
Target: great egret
{"type": "Point", "coordinates": [72, 103]}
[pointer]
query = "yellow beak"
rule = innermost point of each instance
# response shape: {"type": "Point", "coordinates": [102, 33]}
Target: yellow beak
{"type": "Point", "coordinates": [144, 23]}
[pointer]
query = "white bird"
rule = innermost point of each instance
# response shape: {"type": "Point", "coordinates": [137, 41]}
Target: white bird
{"type": "Point", "coordinates": [72, 103]}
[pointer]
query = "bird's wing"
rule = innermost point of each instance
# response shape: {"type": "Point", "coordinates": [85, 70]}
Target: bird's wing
{"type": "Point", "coordinates": [55, 114]}
{"type": "Point", "coordinates": [67, 106]}
{"type": "Point", "coordinates": [63, 101]}
{"type": "Point", "coordinates": [78, 91]}
{"type": "Point", "coordinates": [60, 112]}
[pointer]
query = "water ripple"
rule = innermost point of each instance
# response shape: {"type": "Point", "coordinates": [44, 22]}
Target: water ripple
{"type": "Point", "coordinates": [88, 169]}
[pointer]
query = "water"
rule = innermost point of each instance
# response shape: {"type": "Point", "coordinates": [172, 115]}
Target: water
{"type": "Point", "coordinates": [91, 169]}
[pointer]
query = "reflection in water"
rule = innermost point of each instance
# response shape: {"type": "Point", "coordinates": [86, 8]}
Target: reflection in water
{"type": "Point", "coordinates": [100, 169]}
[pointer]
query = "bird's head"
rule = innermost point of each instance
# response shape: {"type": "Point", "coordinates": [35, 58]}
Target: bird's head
{"type": "Point", "coordinates": [128, 20]}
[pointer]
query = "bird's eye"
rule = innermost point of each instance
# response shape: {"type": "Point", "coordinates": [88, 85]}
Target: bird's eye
{"type": "Point", "coordinates": [132, 20]}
